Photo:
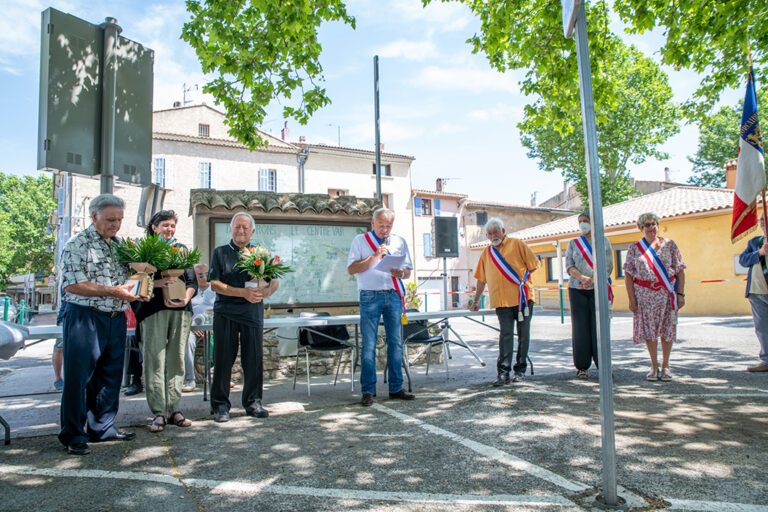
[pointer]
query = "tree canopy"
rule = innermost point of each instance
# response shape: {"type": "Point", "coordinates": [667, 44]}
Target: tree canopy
{"type": "Point", "coordinates": [629, 131]}
{"type": "Point", "coordinates": [25, 208]}
{"type": "Point", "coordinates": [261, 50]}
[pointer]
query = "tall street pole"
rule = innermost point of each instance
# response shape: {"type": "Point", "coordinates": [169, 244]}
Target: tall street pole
{"type": "Point", "coordinates": [109, 94]}
{"type": "Point", "coordinates": [377, 122]}
{"type": "Point", "coordinates": [609, 498]}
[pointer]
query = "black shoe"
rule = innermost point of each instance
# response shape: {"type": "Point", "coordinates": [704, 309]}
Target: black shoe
{"type": "Point", "coordinates": [78, 449]}
{"type": "Point", "coordinates": [221, 417]}
{"type": "Point", "coordinates": [120, 436]}
{"type": "Point", "coordinates": [133, 389]}
{"type": "Point", "coordinates": [519, 377]}
{"type": "Point", "coordinates": [501, 379]}
{"type": "Point", "coordinates": [257, 410]}
{"type": "Point", "coordinates": [367, 399]}
{"type": "Point", "coordinates": [402, 395]}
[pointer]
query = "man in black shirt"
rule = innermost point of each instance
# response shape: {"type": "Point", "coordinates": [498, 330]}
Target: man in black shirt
{"type": "Point", "coordinates": [238, 317]}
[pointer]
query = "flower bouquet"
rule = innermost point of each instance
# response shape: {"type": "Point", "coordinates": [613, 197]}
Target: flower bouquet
{"type": "Point", "coordinates": [261, 265]}
{"type": "Point", "coordinates": [144, 256]}
{"type": "Point", "coordinates": [178, 259]}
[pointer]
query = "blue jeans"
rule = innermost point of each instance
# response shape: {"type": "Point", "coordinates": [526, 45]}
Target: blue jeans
{"type": "Point", "coordinates": [374, 305]}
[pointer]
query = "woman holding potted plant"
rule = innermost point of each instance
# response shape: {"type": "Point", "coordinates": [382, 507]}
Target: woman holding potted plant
{"type": "Point", "coordinates": [164, 324]}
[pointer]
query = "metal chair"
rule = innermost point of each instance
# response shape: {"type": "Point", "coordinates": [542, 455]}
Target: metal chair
{"type": "Point", "coordinates": [416, 332]}
{"type": "Point", "coordinates": [326, 338]}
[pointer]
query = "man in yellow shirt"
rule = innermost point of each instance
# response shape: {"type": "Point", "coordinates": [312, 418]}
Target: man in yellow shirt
{"type": "Point", "coordinates": [504, 266]}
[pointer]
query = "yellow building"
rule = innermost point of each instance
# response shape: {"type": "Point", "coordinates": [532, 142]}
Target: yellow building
{"type": "Point", "coordinates": [697, 219]}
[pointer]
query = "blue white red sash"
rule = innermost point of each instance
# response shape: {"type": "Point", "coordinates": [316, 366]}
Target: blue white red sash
{"type": "Point", "coordinates": [586, 251]}
{"type": "Point", "coordinates": [658, 268]}
{"type": "Point", "coordinates": [509, 273]}
{"type": "Point", "coordinates": [374, 242]}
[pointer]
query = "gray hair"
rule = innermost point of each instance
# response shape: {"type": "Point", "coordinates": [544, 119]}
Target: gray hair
{"type": "Point", "coordinates": [199, 266]}
{"type": "Point", "coordinates": [386, 212]}
{"type": "Point", "coordinates": [102, 201]}
{"type": "Point", "coordinates": [241, 214]}
{"type": "Point", "coordinates": [494, 222]}
{"type": "Point", "coordinates": [645, 218]}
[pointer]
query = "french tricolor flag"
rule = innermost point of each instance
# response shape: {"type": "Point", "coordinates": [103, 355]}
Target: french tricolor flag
{"type": "Point", "coordinates": [750, 173]}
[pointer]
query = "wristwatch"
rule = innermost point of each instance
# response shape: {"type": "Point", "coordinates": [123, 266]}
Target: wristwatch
{"type": "Point", "coordinates": [681, 294]}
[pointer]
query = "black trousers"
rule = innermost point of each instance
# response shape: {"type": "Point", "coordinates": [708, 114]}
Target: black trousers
{"type": "Point", "coordinates": [583, 327]}
{"type": "Point", "coordinates": [94, 347]}
{"type": "Point", "coordinates": [508, 319]}
{"type": "Point", "coordinates": [227, 335]}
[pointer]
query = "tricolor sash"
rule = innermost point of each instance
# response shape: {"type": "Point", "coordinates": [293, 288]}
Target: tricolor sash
{"type": "Point", "coordinates": [509, 273]}
{"type": "Point", "coordinates": [586, 251]}
{"type": "Point", "coordinates": [374, 242]}
{"type": "Point", "coordinates": [658, 268]}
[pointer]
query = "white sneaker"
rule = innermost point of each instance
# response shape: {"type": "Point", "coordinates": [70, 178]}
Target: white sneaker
{"type": "Point", "coordinates": [189, 385]}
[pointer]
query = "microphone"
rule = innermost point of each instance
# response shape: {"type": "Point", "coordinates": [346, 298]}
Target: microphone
{"type": "Point", "coordinates": [386, 241]}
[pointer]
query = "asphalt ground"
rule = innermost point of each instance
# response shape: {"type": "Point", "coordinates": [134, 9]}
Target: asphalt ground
{"type": "Point", "coordinates": [695, 443]}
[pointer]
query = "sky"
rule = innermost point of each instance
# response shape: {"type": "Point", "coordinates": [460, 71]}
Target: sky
{"type": "Point", "coordinates": [438, 102]}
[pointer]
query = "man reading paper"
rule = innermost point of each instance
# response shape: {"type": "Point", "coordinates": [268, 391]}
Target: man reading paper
{"type": "Point", "coordinates": [381, 295]}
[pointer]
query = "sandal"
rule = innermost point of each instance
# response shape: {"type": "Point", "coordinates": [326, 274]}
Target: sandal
{"type": "Point", "coordinates": [158, 424]}
{"type": "Point", "coordinates": [653, 374]}
{"type": "Point", "coordinates": [666, 375]}
{"type": "Point", "coordinates": [582, 374]}
{"type": "Point", "coordinates": [179, 420]}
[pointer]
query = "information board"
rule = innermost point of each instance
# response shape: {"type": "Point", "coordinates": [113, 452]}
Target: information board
{"type": "Point", "coordinates": [318, 254]}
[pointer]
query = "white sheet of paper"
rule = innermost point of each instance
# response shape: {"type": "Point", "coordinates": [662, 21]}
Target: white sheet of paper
{"type": "Point", "coordinates": [389, 262]}
{"type": "Point", "coordinates": [136, 284]}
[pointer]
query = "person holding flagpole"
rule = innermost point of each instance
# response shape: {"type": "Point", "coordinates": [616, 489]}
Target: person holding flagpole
{"type": "Point", "coordinates": [382, 295]}
{"type": "Point", "coordinates": [750, 182]}
{"type": "Point", "coordinates": [655, 278]}
{"type": "Point", "coordinates": [506, 266]}
{"type": "Point", "coordinates": [579, 263]}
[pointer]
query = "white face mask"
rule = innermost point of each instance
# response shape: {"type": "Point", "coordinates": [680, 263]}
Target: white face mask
{"type": "Point", "coordinates": [585, 227]}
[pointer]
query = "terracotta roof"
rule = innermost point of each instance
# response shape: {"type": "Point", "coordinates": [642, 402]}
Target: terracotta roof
{"type": "Point", "coordinates": [342, 149]}
{"type": "Point", "coordinates": [507, 206]}
{"type": "Point", "coordinates": [435, 193]}
{"type": "Point", "coordinates": [269, 201]}
{"type": "Point", "coordinates": [667, 204]}
{"type": "Point", "coordinates": [274, 146]}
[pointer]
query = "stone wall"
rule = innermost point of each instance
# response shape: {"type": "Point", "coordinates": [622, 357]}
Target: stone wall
{"type": "Point", "coordinates": [320, 363]}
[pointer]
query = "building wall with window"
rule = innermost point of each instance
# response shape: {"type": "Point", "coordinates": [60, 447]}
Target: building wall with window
{"type": "Point", "coordinates": [427, 205]}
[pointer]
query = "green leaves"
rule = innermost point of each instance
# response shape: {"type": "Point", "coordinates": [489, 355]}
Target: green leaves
{"type": "Point", "coordinates": [260, 50]}
{"type": "Point", "coordinates": [151, 249]}
{"type": "Point", "coordinates": [25, 207]}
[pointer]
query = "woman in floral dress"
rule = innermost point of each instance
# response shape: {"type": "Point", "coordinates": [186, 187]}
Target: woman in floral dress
{"type": "Point", "coordinates": [650, 300]}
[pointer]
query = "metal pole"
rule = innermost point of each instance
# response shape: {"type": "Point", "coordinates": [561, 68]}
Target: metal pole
{"type": "Point", "coordinates": [609, 498]}
{"type": "Point", "coordinates": [21, 312]}
{"type": "Point", "coordinates": [445, 284]}
{"type": "Point", "coordinates": [6, 301]}
{"type": "Point", "coordinates": [377, 123]}
{"type": "Point", "coordinates": [108, 96]}
{"type": "Point", "coordinates": [560, 280]}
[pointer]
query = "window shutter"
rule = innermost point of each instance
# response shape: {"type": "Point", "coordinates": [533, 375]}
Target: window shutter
{"type": "Point", "coordinates": [427, 245]}
{"type": "Point", "coordinates": [437, 207]}
{"type": "Point", "coordinates": [169, 175]}
{"type": "Point", "coordinates": [417, 205]}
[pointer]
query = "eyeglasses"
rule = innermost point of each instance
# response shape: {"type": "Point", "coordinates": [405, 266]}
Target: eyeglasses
{"type": "Point", "coordinates": [650, 224]}
{"type": "Point", "coordinates": [203, 276]}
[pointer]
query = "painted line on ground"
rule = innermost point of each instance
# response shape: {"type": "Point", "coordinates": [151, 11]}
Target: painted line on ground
{"type": "Point", "coordinates": [757, 394]}
{"type": "Point", "coordinates": [489, 451]}
{"type": "Point", "coordinates": [714, 506]}
{"type": "Point", "coordinates": [244, 488]}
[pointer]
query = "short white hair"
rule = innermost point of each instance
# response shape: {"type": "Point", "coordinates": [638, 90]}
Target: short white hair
{"type": "Point", "coordinates": [386, 212]}
{"type": "Point", "coordinates": [494, 222]}
{"type": "Point", "coordinates": [104, 201]}
{"type": "Point", "coordinates": [241, 214]}
{"type": "Point", "coordinates": [199, 266]}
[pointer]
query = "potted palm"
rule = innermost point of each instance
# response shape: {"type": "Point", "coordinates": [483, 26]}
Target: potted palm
{"type": "Point", "coordinates": [144, 256]}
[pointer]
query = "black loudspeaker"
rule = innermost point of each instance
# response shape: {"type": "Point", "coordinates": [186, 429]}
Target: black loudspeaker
{"type": "Point", "coordinates": [446, 236]}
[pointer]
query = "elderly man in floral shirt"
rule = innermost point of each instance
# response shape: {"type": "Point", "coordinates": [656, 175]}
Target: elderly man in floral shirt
{"type": "Point", "coordinates": [94, 328]}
